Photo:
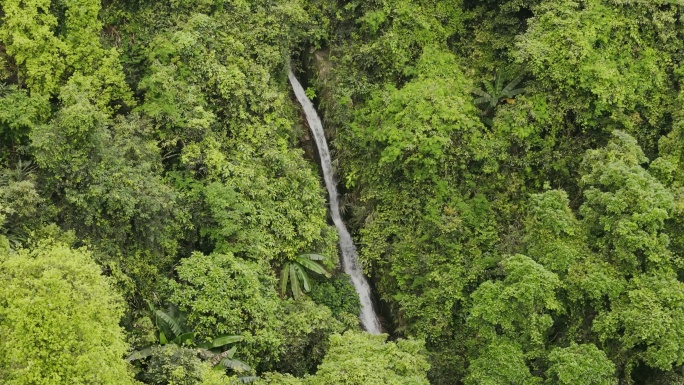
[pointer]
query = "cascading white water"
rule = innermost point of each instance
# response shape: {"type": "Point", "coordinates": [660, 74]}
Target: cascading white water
{"type": "Point", "coordinates": [369, 319]}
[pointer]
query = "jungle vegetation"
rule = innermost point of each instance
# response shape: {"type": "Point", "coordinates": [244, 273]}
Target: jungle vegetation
{"type": "Point", "coordinates": [512, 172]}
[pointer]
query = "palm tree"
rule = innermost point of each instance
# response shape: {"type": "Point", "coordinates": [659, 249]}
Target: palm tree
{"type": "Point", "coordinates": [495, 92]}
{"type": "Point", "coordinates": [295, 273]}
{"type": "Point", "coordinates": [172, 330]}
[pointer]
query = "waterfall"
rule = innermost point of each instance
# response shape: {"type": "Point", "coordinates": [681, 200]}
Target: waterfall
{"type": "Point", "coordinates": [369, 319]}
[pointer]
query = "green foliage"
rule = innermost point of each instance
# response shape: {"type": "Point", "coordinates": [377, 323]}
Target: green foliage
{"type": "Point", "coordinates": [107, 185]}
{"type": "Point", "coordinates": [295, 273]}
{"type": "Point", "coordinates": [520, 305]}
{"type": "Point", "coordinates": [580, 364]}
{"type": "Point", "coordinates": [625, 207]}
{"type": "Point", "coordinates": [421, 237]}
{"type": "Point", "coordinates": [253, 216]}
{"type": "Point", "coordinates": [59, 320]}
{"type": "Point", "coordinates": [357, 358]}
{"type": "Point", "coordinates": [48, 53]}
{"type": "Point", "coordinates": [495, 92]}
{"type": "Point", "coordinates": [224, 294]}
{"type": "Point", "coordinates": [615, 269]}
{"type": "Point", "coordinates": [178, 109]}
{"type": "Point", "coordinates": [275, 378]}
{"type": "Point", "coordinates": [20, 203]}
{"type": "Point", "coordinates": [28, 33]}
{"type": "Point", "coordinates": [502, 362]}
{"type": "Point", "coordinates": [306, 330]}
{"type": "Point", "coordinates": [588, 54]}
{"type": "Point", "coordinates": [424, 130]}
{"type": "Point", "coordinates": [553, 236]}
{"type": "Point", "coordinates": [382, 39]}
{"type": "Point", "coordinates": [543, 247]}
{"type": "Point", "coordinates": [647, 322]}
{"type": "Point", "coordinates": [339, 295]}
{"type": "Point", "coordinates": [172, 330]}
{"type": "Point", "coordinates": [175, 365]}
{"type": "Point", "coordinates": [19, 114]}
{"type": "Point", "coordinates": [668, 169]}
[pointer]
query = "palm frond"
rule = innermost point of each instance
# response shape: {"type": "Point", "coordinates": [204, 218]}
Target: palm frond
{"type": "Point", "coordinates": [489, 87]}
{"type": "Point", "coordinates": [182, 339]}
{"type": "Point", "coordinates": [514, 92]}
{"type": "Point", "coordinates": [313, 257]}
{"type": "Point", "coordinates": [483, 100]}
{"type": "Point", "coordinates": [235, 364]}
{"type": "Point", "coordinates": [226, 360]}
{"type": "Point", "coordinates": [4, 89]}
{"type": "Point", "coordinates": [174, 311]}
{"type": "Point", "coordinates": [284, 274]}
{"type": "Point", "coordinates": [171, 322]}
{"type": "Point", "coordinates": [313, 266]}
{"type": "Point", "coordinates": [479, 92]}
{"type": "Point", "coordinates": [296, 290]}
{"type": "Point", "coordinates": [512, 85]}
{"type": "Point", "coordinates": [140, 354]}
{"type": "Point", "coordinates": [495, 91]}
{"type": "Point", "coordinates": [225, 340]}
{"type": "Point", "coordinates": [499, 81]}
{"type": "Point", "coordinates": [162, 338]}
{"type": "Point", "coordinates": [304, 278]}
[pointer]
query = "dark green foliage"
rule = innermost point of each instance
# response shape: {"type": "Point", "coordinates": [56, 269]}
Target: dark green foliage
{"type": "Point", "coordinates": [106, 182]}
{"type": "Point", "coordinates": [172, 330]}
{"type": "Point", "coordinates": [295, 272]}
{"type": "Point", "coordinates": [173, 363]}
{"type": "Point", "coordinates": [339, 296]}
{"type": "Point", "coordinates": [496, 92]}
{"type": "Point", "coordinates": [22, 209]}
{"type": "Point", "coordinates": [512, 172]}
{"type": "Point", "coordinates": [306, 330]}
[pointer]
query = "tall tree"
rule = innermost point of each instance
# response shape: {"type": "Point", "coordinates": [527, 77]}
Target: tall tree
{"type": "Point", "coordinates": [59, 318]}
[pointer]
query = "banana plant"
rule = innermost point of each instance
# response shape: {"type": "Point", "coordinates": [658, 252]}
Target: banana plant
{"type": "Point", "coordinates": [495, 91]}
{"type": "Point", "coordinates": [295, 272]}
{"type": "Point", "coordinates": [224, 360]}
{"type": "Point", "coordinates": [171, 328]}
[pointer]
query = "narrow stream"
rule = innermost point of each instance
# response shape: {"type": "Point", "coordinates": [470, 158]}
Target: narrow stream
{"type": "Point", "coordinates": [369, 320]}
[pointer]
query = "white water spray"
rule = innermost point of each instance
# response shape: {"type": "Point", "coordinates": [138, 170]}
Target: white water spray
{"type": "Point", "coordinates": [369, 319]}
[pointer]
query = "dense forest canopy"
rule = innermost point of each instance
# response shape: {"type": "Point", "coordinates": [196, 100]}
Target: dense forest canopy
{"type": "Point", "coordinates": [512, 172]}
